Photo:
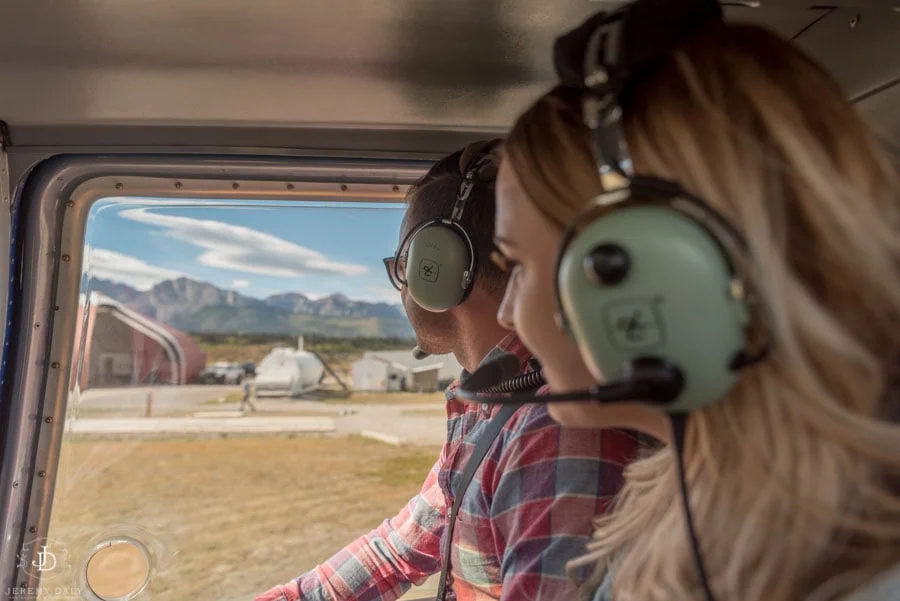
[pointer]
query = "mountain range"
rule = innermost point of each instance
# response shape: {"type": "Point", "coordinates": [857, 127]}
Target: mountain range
{"type": "Point", "coordinates": [200, 307]}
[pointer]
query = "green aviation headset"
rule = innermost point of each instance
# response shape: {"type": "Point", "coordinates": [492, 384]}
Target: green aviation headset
{"type": "Point", "coordinates": [647, 281]}
{"type": "Point", "coordinates": [436, 260]}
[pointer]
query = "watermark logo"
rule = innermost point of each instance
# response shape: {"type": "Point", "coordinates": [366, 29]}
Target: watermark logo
{"type": "Point", "coordinates": [44, 559]}
{"type": "Point", "coordinates": [22, 593]}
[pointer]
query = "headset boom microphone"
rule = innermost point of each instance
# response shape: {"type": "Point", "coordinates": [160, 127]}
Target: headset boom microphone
{"type": "Point", "coordinates": [648, 380]}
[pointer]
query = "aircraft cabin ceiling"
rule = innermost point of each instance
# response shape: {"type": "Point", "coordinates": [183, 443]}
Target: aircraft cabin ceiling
{"type": "Point", "coordinates": [102, 70]}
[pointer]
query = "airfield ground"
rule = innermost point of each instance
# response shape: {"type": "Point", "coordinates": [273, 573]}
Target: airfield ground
{"type": "Point", "coordinates": [231, 514]}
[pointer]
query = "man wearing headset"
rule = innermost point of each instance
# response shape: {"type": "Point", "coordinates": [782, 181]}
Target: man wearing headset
{"type": "Point", "coordinates": [506, 529]}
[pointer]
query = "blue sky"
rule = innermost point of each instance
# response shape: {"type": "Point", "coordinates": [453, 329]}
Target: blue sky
{"type": "Point", "coordinates": [255, 248]}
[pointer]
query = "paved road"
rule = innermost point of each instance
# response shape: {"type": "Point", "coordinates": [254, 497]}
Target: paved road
{"type": "Point", "coordinates": [105, 411]}
{"type": "Point", "coordinates": [156, 425]}
{"type": "Point", "coordinates": [167, 400]}
{"type": "Point", "coordinates": [396, 422]}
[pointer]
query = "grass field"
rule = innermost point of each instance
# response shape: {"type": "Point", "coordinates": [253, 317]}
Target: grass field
{"type": "Point", "coordinates": [232, 517]}
{"type": "Point", "coordinates": [427, 412]}
{"type": "Point", "coordinates": [393, 398]}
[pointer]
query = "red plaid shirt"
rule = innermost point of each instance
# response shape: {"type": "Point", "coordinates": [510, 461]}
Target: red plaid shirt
{"type": "Point", "coordinates": [527, 511]}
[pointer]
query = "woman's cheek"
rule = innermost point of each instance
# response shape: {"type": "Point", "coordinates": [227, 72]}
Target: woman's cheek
{"type": "Point", "coordinates": [524, 313]}
{"type": "Point", "coordinates": [536, 329]}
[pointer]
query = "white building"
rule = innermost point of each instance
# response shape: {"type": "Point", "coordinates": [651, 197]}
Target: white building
{"type": "Point", "coordinates": [396, 371]}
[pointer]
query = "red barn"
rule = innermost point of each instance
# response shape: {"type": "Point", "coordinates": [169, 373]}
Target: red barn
{"type": "Point", "coordinates": [121, 347]}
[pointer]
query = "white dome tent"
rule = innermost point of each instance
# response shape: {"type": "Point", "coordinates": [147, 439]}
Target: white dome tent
{"type": "Point", "coordinates": [290, 372]}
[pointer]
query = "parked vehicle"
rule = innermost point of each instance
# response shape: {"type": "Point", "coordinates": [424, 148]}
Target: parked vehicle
{"type": "Point", "coordinates": [229, 373]}
{"type": "Point", "coordinates": [223, 372]}
{"type": "Point", "coordinates": [207, 376]}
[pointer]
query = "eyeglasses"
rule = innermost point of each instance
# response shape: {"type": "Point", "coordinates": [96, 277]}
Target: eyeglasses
{"type": "Point", "coordinates": [396, 270]}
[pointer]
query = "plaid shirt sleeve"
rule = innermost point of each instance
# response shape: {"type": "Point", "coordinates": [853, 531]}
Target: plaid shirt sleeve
{"type": "Point", "coordinates": [383, 564]}
{"type": "Point", "coordinates": [548, 485]}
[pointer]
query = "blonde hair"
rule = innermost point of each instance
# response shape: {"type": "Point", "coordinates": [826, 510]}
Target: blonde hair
{"type": "Point", "coordinates": [793, 476]}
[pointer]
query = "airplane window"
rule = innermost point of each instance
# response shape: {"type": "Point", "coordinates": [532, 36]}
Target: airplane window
{"type": "Point", "coordinates": [243, 401]}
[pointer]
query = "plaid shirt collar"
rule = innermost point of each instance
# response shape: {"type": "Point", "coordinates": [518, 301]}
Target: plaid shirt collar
{"type": "Point", "coordinates": [511, 344]}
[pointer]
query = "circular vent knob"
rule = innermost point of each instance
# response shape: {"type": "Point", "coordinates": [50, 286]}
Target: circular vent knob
{"type": "Point", "coordinates": [607, 264]}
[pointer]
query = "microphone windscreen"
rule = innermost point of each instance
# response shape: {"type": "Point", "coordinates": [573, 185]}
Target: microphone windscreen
{"type": "Point", "coordinates": [492, 373]}
{"type": "Point", "coordinates": [420, 354]}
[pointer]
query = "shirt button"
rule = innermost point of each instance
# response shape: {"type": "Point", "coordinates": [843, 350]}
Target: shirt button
{"type": "Point", "coordinates": [484, 406]}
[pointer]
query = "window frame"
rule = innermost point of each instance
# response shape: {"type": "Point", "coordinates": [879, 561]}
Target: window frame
{"type": "Point", "coordinates": [52, 222]}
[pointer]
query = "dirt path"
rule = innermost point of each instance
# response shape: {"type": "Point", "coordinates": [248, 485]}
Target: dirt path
{"type": "Point", "coordinates": [196, 425]}
{"type": "Point", "coordinates": [176, 409]}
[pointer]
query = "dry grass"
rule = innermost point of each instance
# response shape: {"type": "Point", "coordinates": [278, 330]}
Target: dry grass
{"type": "Point", "coordinates": [232, 397]}
{"type": "Point", "coordinates": [236, 353]}
{"type": "Point", "coordinates": [236, 516]}
{"type": "Point", "coordinates": [287, 413]}
{"type": "Point", "coordinates": [426, 412]}
{"type": "Point", "coordinates": [393, 398]}
{"type": "Point", "coordinates": [333, 397]}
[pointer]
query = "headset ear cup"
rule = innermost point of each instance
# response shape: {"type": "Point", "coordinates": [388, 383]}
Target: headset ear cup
{"type": "Point", "coordinates": [672, 302]}
{"type": "Point", "coordinates": [437, 265]}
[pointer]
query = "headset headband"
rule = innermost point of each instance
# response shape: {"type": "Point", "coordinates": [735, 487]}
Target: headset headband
{"type": "Point", "coordinates": [470, 176]}
{"type": "Point", "coordinates": [609, 53]}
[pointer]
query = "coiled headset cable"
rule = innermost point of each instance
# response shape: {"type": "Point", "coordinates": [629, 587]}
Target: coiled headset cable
{"type": "Point", "coordinates": [530, 381]}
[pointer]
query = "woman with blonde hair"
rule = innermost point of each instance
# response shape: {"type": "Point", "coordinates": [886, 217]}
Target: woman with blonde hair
{"type": "Point", "coordinates": [764, 181]}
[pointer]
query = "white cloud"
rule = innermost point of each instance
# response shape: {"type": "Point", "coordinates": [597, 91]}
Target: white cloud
{"type": "Point", "coordinates": [378, 295]}
{"type": "Point", "coordinates": [110, 265]}
{"type": "Point", "coordinates": [314, 296]}
{"type": "Point", "coordinates": [240, 248]}
{"type": "Point", "coordinates": [240, 284]}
